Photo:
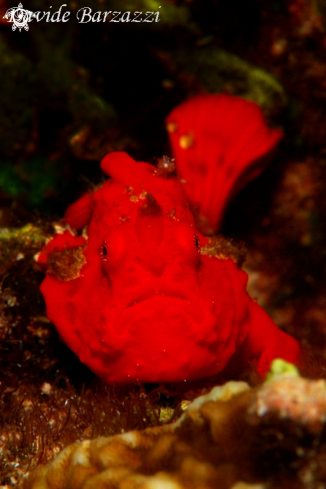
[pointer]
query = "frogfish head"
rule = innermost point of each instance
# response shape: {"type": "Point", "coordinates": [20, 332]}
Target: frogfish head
{"type": "Point", "coordinates": [147, 302]}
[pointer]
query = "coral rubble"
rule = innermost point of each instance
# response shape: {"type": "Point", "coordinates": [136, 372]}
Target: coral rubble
{"type": "Point", "coordinates": [271, 436]}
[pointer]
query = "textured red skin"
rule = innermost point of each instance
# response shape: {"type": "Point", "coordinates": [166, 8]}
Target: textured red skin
{"type": "Point", "coordinates": [60, 242]}
{"type": "Point", "coordinates": [148, 306]}
{"type": "Point", "coordinates": [220, 142]}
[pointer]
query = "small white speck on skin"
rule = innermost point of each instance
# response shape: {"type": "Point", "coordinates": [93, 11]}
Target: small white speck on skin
{"type": "Point", "coordinates": [171, 127]}
{"type": "Point", "coordinates": [186, 141]}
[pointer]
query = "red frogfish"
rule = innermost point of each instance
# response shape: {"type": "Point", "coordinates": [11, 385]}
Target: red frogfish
{"type": "Point", "coordinates": [143, 295]}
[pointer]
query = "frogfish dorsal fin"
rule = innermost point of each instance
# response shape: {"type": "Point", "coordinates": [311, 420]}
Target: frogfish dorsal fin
{"type": "Point", "coordinates": [220, 142]}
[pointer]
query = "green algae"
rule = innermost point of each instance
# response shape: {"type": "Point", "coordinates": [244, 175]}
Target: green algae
{"type": "Point", "coordinates": [219, 71]}
{"type": "Point", "coordinates": [281, 368]}
{"type": "Point", "coordinates": [33, 180]}
{"type": "Point", "coordinates": [28, 233]}
{"type": "Point", "coordinates": [105, 86]}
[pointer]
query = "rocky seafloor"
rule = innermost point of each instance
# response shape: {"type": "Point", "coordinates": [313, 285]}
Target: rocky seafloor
{"type": "Point", "coordinates": [232, 437]}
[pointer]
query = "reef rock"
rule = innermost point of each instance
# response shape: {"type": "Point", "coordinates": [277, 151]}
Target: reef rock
{"type": "Point", "coordinates": [271, 436]}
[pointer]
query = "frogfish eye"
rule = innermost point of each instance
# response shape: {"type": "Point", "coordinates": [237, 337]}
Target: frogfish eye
{"type": "Point", "coordinates": [104, 251]}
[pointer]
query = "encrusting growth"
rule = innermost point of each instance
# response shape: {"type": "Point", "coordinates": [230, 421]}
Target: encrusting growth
{"type": "Point", "coordinates": [268, 435]}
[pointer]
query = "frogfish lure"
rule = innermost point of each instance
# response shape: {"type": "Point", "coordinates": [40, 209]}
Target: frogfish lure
{"type": "Point", "coordinates": [146, 296]}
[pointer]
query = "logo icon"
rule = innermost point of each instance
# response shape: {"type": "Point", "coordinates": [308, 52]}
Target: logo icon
{"type": "Point", "coordinates": [19, 17]}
